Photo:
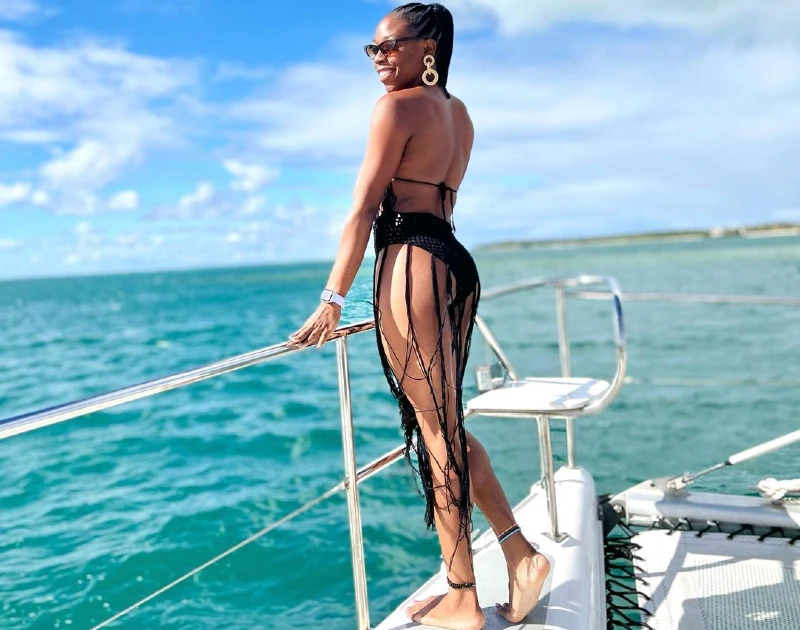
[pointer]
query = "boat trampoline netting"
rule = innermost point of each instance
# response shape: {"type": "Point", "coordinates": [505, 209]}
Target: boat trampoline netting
{"type": "Point", "coordinates": [713, 582]}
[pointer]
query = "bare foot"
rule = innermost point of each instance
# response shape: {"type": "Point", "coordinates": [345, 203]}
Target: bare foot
{"type": "Point", "coordinates": [453, 610]}
{"type": "Point", "coordinates": [524, 587]}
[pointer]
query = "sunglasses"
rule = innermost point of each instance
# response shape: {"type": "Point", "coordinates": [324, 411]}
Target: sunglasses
{"type": "Point", "coordinates": [385, 47]}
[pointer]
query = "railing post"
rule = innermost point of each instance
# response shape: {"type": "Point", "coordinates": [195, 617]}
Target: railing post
{"type": "Point", "coordinates": [549, 480]}
{"type": "Point", "coordinates": [563, 337]}
{"type": "Point", "coordinates": [566, 365]}
{"type": "Point", "coordinates": [351, 487]}
{"type": "Point", "coordinates": [492, 342]}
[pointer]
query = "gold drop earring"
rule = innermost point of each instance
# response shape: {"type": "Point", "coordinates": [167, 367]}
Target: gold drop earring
{"type": "Point", "coordinates": [430, 76]}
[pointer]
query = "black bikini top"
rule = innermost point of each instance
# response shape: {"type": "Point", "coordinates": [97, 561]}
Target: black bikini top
{"type": "Point", "coordinates": [444, 189]}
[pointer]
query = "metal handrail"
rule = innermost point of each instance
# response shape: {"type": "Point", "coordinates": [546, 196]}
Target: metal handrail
{"type": "Point", "coordinates": [53, 415]}
{"type": "Point", "coordinates": [562, 288]}
{"type": "Point", "coordinates": [698, 298]}
{"type": "Point", "coordinates": [351, 483]}
{"type": "Point", "coordinates": [23, 423]}
{"type": "Point", "coordinates": [543, 421]}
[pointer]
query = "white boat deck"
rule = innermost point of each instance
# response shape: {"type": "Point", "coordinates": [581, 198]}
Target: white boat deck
{"type": "Point", "coordinates": [713, 583]}
{"type": "Point", "coordinates": [573, 596]}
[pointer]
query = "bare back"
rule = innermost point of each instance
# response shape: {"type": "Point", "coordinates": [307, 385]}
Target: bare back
{"type": "Point", "coordinates": [438, 149]}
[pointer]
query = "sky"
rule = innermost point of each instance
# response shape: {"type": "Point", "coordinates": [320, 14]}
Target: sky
{"type": "Point", "coordinates": [167, 134]}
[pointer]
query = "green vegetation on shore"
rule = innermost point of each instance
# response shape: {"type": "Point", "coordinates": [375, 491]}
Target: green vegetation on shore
{"type": "Point", "coordinates": [756, 231]}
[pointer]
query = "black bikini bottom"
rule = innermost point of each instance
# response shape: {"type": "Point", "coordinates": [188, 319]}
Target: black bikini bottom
{"type": "Point", "coordinates": [435, 236]}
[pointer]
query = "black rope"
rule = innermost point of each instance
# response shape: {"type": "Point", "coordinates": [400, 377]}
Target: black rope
{"type": "Point", "coordinates": [773, 531]}
{"type": "Point", "coordinates": [738, 529]}
{"type": "Point", "coordinates": [709, 526]}
{"type": "Point", "coordinates": [628, 531]}
{"type": "Point", "coordinates": [623, 611]}
{"type": "Point", "coordinates": [741, 530]}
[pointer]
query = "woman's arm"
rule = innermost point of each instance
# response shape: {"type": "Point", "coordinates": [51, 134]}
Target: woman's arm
{"type": "Point", "coordinates": [387, 141]}
{"type": "Point", "coordinates": [389, 132]}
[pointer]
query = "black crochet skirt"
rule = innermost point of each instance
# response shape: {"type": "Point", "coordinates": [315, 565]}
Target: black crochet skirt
{"type": "Point", "coordinates": [426, 293]}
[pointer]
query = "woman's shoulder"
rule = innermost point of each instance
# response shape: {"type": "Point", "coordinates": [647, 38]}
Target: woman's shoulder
{"type": "Point", "coordinates": [459, 105]}
{"type": "Point", "coordinates": [416, 97]}
{"type": "Point", "coordinates": [407, 108]}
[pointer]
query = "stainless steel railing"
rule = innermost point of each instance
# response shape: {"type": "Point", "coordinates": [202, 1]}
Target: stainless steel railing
{"type": "Point", "coordinates": [561, 285]}
{"type": "Point", "coordinates": [351, 485]}
{"type": "Point", "coordinates": [567, 287]}
{"type": "Point", "coordinates": [53, 415]}
{"type": "Point", "coordinates": [17, 425]}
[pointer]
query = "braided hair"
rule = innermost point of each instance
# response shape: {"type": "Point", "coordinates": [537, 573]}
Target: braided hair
{"type": "Point", "coordinates": [432, 21]}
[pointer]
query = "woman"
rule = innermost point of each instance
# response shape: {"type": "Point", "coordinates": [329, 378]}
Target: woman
{"type": "Point", "coordinates": [426, 292]}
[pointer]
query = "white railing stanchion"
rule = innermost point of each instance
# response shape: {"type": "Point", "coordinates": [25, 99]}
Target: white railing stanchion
{"type": "Point", "coordinates": [491, 341]}
{"type": "Point", "coordinates": [351, 487]}
{"type": "Point", "coordinates": [566, 365]}
{"type": "Point", "coordinates": [549, 481]}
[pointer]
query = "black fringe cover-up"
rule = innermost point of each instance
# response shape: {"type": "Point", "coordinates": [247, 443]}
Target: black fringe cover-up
{"type": "Point", "coordinates": [430, 236]}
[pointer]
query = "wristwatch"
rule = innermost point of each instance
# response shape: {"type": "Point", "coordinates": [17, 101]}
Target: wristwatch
{"type": "Point", "coordinates": [332, 297]}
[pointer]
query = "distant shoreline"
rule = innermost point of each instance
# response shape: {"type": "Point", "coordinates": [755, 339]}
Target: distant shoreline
{"type": "Point", "coordinates": [751, 232]}
{"type": "Point", "coordinates": [772, 230]}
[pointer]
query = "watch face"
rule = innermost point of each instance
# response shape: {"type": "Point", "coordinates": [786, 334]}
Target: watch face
{"type": "Point", "coordinates": [326, 296]}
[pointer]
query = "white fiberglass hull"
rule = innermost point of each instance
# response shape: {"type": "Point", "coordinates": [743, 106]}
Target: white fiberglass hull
{"type": "Point", "coordinates": [573, 597]}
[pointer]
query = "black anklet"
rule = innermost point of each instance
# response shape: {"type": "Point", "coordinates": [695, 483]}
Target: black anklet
{"type": "Point", "coordinates": [514, 529]}
{"type": "Point", "coordinates": [460, 585]}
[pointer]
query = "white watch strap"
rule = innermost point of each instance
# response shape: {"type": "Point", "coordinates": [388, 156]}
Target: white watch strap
{"type": "Point", "coordinates": [331, 296]}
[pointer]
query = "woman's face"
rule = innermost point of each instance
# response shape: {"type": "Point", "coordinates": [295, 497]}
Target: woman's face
{"type": "Point", "coordinates": [402, 67]}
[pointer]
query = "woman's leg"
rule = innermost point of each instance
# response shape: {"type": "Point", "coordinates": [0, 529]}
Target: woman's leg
{"type": "Point", "coordinates": [417, 336]}
{"type": "Point", "coordinates": [527, 569]}
{"type": "Point", "coordinates": [416, 332]}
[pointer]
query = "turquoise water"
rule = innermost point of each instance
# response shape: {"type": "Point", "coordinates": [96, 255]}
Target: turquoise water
{"type": "Point", "coordinates": [100, 511]}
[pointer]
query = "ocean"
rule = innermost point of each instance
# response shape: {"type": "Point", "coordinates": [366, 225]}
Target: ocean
{"type": "Point", "coordinates": [100, 511]}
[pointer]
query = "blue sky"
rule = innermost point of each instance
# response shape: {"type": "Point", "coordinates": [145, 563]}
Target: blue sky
{"type": "Point", "coordinates": [144, 134]}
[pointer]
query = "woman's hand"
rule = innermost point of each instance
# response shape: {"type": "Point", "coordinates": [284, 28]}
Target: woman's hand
{"type": "Point", "coordinates": [318, 328]}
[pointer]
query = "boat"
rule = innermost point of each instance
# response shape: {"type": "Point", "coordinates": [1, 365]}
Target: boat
{"type": "Point", "coordinates": [656, 556]}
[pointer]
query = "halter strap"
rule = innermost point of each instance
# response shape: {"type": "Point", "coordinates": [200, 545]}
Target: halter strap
{"type": "Point", "coordinates": [443, 190]}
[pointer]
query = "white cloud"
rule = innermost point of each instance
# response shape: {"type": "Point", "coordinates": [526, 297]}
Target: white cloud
{"type": "Point", "coordinates": [124, 201]}
{"type": "Point", "coordinates": [86, 204]}
{"type": "Point", "coordinates": [90, 165]}
{"type": "Point", "coordinates": [517, 17]}
{"type": "Point", "coordinates": [82, 227]}
{"type": "Point", "coordinates": [88, 248]}
{"type": "Point", "coordinates": [40, 198]}
{"type": "Point", "coordinates": [250, 177]}
{"type": "Point", "coordinates": [296, 124]}
{"type": "Point", "coordinates": [30, 136]}
{"type": "Point", "coordinates": [252, 205]}
{"type": "Point", "coordinates": [17, 9]}
{"type": "Point", "coordinates": [227, 71]}
{"type": "Point", "coordinates": [100, 107]}
{"type": "Point", "coordinates": [205, 202]}
{"type": "Point", "coordinates": [574, 208]}
{"type": "Point", "coordinates": [81, 84]}
{"type": "Point", "coordinates": [199, 197]}
{"type": "Point", "coordinates": [10, 243]}
{"type": "Point", "coordinates": [14, 193]}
